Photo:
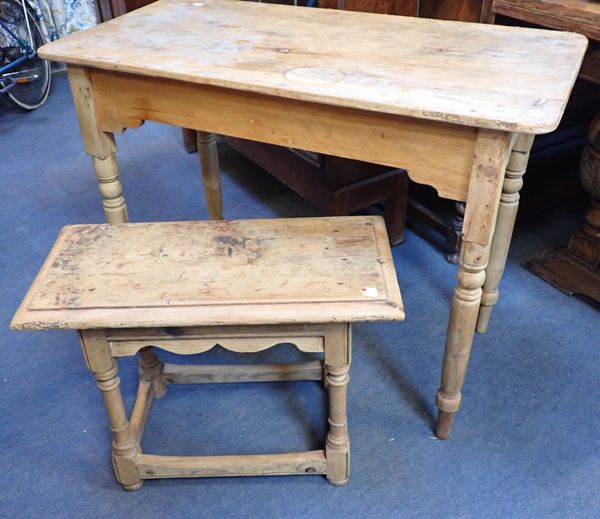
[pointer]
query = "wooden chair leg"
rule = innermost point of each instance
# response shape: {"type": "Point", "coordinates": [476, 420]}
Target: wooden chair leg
{"type": "Point", "coordinates": [126, 449]}
{"type": "Point", "coordinates": [99, 145]}
{"type": "Point", "coordinates": [507, 214]}
{"type": "Point", "coordinates": [337, 365]}
{"type": "Point", "coordinates": [209, 162]}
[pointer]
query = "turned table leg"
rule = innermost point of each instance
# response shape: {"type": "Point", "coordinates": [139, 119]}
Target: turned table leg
{"type": "Point", "coordinates": [481, 209]}
{"type": "Point", "coordinates": [395, 208]}
{"type": "Point", "coordinates": [337, 365]}
{"type": "Point", "coordinates": [189, 140]}
{"type": "Point", "coordinates": [209, 163]}
{"type": "Point", "coordinates": [125, 448]}
{"type": "Point", "coordinates": [507, 214]}
{"type": "Point", "coordinates": [99, 145]}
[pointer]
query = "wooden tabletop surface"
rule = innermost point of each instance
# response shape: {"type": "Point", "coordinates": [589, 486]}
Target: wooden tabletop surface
{"type": "Point", "coordinates": [215, 272]}
{"type": "Point", "coordinates": [480, 75]}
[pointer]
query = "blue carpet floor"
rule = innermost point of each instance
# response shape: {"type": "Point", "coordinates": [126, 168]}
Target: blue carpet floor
{"type": "Point", "coordinates": [526, 442]}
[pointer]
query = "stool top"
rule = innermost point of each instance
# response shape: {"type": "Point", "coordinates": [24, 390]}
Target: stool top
{"type": "Point", "coordinates": [480, 75]}
{"type": "Point", "coordinates": [297, 270]}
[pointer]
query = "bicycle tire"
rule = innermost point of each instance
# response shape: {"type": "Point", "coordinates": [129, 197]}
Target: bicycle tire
{"type": "Point", "coordinates": [21, 96]}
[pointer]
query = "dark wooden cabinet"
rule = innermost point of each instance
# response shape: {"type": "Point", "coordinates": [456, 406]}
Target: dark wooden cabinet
{"type": "Point", "coordinates": [401, 7]}
{"type": "Point", "coordinates": [108, 9]}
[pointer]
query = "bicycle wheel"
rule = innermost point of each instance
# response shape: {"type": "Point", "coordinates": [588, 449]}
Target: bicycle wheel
{"type": "Point", "coordinates": [28, 82]}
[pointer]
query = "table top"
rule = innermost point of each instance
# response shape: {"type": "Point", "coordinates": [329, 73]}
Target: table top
{"type": "Point", "coordinates": [294, 270]}
{"type": "Point", "coordinates": [479, 75]}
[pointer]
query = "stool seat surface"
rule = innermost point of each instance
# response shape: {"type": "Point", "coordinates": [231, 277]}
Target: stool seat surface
{"type": "Point", "coordinates": [298, 270]}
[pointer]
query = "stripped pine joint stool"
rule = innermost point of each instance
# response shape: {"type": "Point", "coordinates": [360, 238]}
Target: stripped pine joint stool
{"type": "Point", "coordinates": [245, 285]}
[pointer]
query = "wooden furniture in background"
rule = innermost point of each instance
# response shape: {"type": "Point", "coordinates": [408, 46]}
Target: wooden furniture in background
{"type": "Point", "coordinates": [455, 131]}
{"type": "Point", "coordinates": [245, 285]}
{"type": "Point", "coordinates": [108, 9]}
{"type": "Point", "coordinates": [335, 185]}
{"type": "Point", "coordinates": [576, 268]}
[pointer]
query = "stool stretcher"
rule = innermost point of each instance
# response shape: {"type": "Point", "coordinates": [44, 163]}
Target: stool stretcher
{"type": "Point", "coordinates": [309, 462]}
{"type": "Point", "coordinates": [214, 374]}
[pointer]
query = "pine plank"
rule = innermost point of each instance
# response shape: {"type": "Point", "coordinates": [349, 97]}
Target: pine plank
{"type": "Point", "coordinates": [298, 270]}
{"type": "Point", "coordinates": [478, 75]}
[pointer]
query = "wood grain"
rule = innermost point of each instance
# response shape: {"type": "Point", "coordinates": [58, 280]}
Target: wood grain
{"type": "Point", "coordinates": [153, 467]}
{"type": "Point", "coordinates": [215, 273]}
{"type": "Point", "coordinates": [402, 7]}
{"type": "Point", "coordinates": [492, 156]}
{"type": "Point", "coordinates": [194, 345]}
{"type": "Point", "coordinates": [434, 153]}
{"type": "Point", "coordinates": [582, 16]}
{"type": "Point", "coordinates": [141, 409]}
{"type": "Point", "coordinates": [100, 145]}
{"type": "Point", "coordinates": [225, 374]}
{"type": "Point", "coordinates": [431, 69]}
{"type": "Point", "coordinates": [461, 10]}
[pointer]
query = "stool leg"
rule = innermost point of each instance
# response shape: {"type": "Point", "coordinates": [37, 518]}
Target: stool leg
{"type": "Point", "coordinates": [337, 365]}
{"type": "Point", "coordinates": [151, 368]}
{"type": "Point", "coordinates": [125, 448]}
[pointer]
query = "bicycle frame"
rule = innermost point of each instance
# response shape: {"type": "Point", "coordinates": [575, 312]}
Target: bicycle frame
{"type": "Point", "coordinates": [23, 45]}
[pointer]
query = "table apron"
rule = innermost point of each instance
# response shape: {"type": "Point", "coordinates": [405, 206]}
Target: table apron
{"type": "Point", "coordinates": [434, 153]}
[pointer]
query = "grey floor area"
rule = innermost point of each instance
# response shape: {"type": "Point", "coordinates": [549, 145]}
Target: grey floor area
{"type": "Point", "coordinates": [526, 442]}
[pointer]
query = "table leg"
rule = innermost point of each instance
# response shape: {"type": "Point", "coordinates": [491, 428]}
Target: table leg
{"type": "Point", "coordinates": [99, 145]}
{"type": "Point", "coordinates": [125, 448]}
{"type": "Point", "coordinates": [337, 365]}
{"type": "Point", "coordinates": [483, 199]}
{"type": "Point", "coordinates": [209, 163]}
{"type": "Point", "coordinates": [507, 214]}
{"type": "Point", "coordinates": [394, 210]}
{"type": "Point", "coordinates": [189, 140]}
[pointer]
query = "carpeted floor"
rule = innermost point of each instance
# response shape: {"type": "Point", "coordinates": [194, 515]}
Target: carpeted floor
{"type": "Point", "coordinates": [526, 442]}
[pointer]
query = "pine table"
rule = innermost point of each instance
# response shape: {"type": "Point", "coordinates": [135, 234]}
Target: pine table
{"type": "Point", "coordinates": [455, 104]}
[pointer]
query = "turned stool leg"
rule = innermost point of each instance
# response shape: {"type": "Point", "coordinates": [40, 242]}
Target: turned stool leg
{"type": "Point", "coordinates": [99, 145]}
{"type": "Point", "coordinates": [125, 449]}
{"type": "Point", "coordinates": [507, 214]}
{"type": "Point", "coordinates": [209, 162]}
{"type": "Point", "coordinates": [151, 368]}
{"type": "Point", "coordinates": [337, 365]}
